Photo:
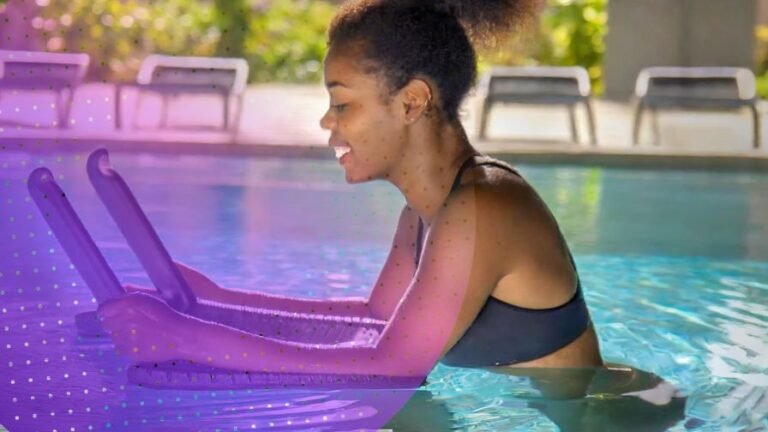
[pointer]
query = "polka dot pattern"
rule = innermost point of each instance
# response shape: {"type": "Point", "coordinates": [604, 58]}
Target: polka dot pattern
{"type": "Point", "coordinates": [58, 380]}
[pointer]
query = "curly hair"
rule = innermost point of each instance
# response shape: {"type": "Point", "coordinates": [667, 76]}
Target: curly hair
{"type": "Point", "coordinates": [404, 39]}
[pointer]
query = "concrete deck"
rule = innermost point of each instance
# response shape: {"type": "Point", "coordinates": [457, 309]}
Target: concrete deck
{"type": "Point", "coordinates": [283, 120]}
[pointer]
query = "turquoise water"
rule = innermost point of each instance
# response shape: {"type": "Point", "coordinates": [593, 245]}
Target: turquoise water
{"type": "Point", "coordinates": [674, 266]}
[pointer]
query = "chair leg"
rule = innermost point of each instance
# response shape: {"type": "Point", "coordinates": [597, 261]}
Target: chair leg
{"type": "Point", "coordinates": [137, 108]}
{"type": "Point", "coordinates": [117, 109]}
{"type": "Point", "coordinates": [485, 112]}
{"type": "Point", "coordinates": [61, 123]}
{"type": "Point", "coordinates": [638, 122]}
{"type": "Point", "coordinates": [591, 119]}
{"type": "Point", "coordinates": [237, 114]}
{"type": "Point", "coordinates": [225, 101]}
{"type": "Point", "coordinates": [67, 108]}
{"type": "Point", "coordinates": [756, 126]}
{"type": "Point", "coordinates": [574, 126]}
{"type": "Point", "coordinates": [655, 126]}
{"type": "Point", "coordinates": [164, 112]}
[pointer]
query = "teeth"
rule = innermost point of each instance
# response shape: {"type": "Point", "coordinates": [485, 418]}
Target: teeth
{"type": "Point", "coordinates": [341, 151]}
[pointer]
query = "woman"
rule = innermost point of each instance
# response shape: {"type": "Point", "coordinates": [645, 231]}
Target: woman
{"type": "Point", "coordinates": [478, 274]}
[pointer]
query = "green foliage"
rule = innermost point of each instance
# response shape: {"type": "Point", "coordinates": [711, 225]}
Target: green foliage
{"type": "Point", "coordinates": [287, 41]}
{"type": "Point", "coordinates": [283, 40]}
{"type": "Point", "coordinates": [570, 33]}
{"type": "Point", "coordinates": [119, 34]}
{"type": "Point", "coordinates": [232, 22]}
{"type": "Point", "coordinates": [761, 39]}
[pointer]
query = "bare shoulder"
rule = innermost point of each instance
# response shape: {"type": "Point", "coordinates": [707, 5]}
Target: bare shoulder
{"type": "Point", "coordinates": [519, 240]}
{"type": "Point", "coordinates": [506, 200]}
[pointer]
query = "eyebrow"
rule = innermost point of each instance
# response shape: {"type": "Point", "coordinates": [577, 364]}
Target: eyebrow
{"type": "Point", "coordinates": [333, 84]}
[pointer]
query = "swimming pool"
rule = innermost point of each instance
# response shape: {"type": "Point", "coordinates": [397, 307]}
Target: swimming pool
{"type": "Point", "coordinates": [674, 265]}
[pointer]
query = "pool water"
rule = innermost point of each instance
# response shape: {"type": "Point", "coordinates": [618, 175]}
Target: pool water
{"type": "Point", "coordinates": [674, 266]}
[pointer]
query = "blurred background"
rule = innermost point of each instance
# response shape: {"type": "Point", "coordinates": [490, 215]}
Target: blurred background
{"type": "Point", "coordinates": [284, 40]}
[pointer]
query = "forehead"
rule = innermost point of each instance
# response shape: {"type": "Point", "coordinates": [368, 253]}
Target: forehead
{"type": "Point", "coordinates": [346, 66]}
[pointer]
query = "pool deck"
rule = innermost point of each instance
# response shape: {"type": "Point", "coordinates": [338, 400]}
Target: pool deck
{"type": "Point", "coordinates": [283, 120]}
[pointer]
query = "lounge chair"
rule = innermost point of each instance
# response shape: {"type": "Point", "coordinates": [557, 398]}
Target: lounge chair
{"type": "Point", "coordinates": [541, 85]}
{"type": "Point", "coordinates": [694, 88]}
{"type": "Point", "coordinates": [59, 73]}
{"type": "Point", "coordinates": [172, 77]}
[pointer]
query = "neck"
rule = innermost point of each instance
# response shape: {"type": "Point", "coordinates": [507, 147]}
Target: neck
{"type": "Point", "coordinates": [426, 171]}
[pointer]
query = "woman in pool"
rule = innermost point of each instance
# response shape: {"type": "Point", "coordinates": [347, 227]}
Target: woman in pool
{"type": "Point", "coordinates": [478, 274]}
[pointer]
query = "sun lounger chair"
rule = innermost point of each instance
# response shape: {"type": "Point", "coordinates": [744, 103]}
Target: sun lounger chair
{"type": "Point", "coordinates": [173, 77]}
{"type": "Point", "coordinates": [59, 73]}
{"type": "Point", "coordinates": [694, 88]}
{"type": "Point", "coordinates": [540, 85]}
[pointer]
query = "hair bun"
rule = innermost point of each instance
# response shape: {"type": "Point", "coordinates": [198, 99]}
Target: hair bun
{"type": "Point", "coordinates": [487, 21]}
{"type": "Point", "coordinates": [446, 7]}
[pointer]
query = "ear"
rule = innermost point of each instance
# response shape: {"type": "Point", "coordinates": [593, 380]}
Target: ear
{"type": "Point", "coordinates": [415, 98]}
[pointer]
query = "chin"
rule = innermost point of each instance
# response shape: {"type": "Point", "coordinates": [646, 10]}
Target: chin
{"type": "Point", "coordinates": [354, 178]}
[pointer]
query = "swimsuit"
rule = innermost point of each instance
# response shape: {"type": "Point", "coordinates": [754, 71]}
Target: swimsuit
{"type": "Point", "coordinates": [504, 334]}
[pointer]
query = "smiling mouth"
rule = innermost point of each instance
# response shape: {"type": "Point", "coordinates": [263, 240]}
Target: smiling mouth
{"type": "Point", "coordinates": [341, 151]}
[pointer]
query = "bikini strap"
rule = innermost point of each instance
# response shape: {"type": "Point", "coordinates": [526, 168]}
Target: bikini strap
{"type": "Point", "coordinates": [456, 182]}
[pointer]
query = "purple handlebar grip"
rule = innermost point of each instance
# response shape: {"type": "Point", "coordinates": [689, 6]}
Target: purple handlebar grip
{"type": "Point", "coordinates": [72, 235]}
{"type": "Point", "coordinates": [141, 236]}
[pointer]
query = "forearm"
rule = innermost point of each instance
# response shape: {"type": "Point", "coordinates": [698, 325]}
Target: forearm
{"type": "Point", "coordinates": [347, 306]}
{"type": "Point", "coordinates": [220, 346]}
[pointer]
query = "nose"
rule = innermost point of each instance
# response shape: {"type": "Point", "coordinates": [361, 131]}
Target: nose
{"type": "Point", "coordinates": [327, 122]}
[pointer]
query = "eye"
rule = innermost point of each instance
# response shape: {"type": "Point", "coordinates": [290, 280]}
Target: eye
{"type": "Point", "coordinates": [340, 108]}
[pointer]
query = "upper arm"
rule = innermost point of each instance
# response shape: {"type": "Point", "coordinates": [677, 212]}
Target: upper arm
{"type": "Point", "coordinates": [398, 269]}
{"type": "Point", "coordinates": [447, 292]}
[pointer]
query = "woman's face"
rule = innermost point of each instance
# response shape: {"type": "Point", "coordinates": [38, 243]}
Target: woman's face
{"type": "Point", "coordinates": [367, 130]}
